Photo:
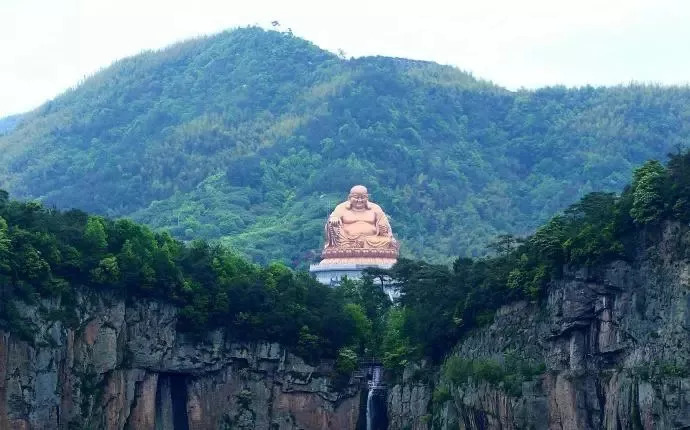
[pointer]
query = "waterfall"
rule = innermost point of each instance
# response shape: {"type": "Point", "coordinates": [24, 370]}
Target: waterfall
{"type": "Point", "coordinates": [374, 421]}
{"type": "Point", "coordinates": [370, 412]}
{"type": "Point", "coordinates": [375, 377]}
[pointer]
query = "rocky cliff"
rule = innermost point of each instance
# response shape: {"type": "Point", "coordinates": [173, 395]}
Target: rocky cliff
{"type": "Point", "coordinates": [614, 342]}
{"type": "Point", "coordinates": [124, 366]}
{"type": "Point", "coordinates": [608, 347]}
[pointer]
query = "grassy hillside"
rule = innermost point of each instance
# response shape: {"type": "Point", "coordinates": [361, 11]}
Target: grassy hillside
{"type": "Point", "coordinates": [252, 136]}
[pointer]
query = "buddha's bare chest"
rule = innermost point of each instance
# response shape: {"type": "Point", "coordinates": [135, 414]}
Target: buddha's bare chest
{"type": "Point", "coordinates": [351, 217]}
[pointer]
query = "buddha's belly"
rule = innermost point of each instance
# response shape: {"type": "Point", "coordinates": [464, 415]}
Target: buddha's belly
{"type": "Point", "coordinates": [359, 228]}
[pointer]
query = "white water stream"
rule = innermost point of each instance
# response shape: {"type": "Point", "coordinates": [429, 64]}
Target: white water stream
{"type": "Point", "coordinates": [374, 384]}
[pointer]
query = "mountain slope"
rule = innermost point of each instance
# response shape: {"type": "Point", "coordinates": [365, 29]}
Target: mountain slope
{"type": "Point", "coordinates": [9, 123]}
{"type": "Point", "coordinates": [252, 136]}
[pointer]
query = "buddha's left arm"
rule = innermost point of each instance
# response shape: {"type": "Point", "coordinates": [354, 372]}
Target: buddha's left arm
{"type": "Point", "coordinates": [382, 226]}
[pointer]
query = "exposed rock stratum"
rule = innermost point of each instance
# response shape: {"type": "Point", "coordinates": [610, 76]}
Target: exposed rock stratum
{"type": "Point", "coordinates": [615, 342]}
{"type": "Point", "coordinates": [127, 367]}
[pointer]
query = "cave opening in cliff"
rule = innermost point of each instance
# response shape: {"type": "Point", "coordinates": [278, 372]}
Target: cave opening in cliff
{"type": "Point", "coordinates": [178, 392]}
{"type": "Point", "coordinates": [171, 402]}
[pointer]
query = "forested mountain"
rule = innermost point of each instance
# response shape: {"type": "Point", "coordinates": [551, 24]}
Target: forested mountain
{"type": "Point", "coordinates": [252, 136]}
{"type": "Point", "coordinates": [8, 123]}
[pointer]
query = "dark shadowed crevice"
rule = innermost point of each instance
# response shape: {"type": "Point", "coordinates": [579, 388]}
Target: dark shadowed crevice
{"type": "Point", "coordinates": [171, 402]}
{"type": "Point", "coordinates": [380, 413]}
{"type": "Point", "coordinates": [178, 391]}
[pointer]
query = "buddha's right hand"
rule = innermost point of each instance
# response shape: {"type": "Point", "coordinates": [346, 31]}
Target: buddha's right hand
{"type": "Point", "coordinates": [334, 222]}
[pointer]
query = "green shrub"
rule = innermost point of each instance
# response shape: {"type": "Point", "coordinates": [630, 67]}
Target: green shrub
{"type": "Point", "coordinates": [441, 395]}
{"type": "Point", "coordinates": [508, 376]}
{"type": "Point", "coordinates": [347, 361]}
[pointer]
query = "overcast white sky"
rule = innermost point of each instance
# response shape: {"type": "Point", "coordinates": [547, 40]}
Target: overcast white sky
{"type": "Point", "coordinates": [47, 46]}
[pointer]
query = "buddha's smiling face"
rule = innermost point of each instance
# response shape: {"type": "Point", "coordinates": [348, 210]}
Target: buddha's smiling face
{"type": "Point", "coordinates": [359, 197]}
{"type": "Point", "coordinates": [358, 201]}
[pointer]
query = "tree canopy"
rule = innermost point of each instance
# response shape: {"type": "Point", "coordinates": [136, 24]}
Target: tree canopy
{"type": "Point", "coordinates": [252, 136]}
{"type": "Point", "coordinates": [438, 304]}
{"type": "Point", "coordinates": [46, 253]}
{"type": "Point", "coordinates": [49, 253]}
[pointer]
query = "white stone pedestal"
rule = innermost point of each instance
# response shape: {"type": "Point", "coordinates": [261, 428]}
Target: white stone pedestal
{"type": "Point", "coordinates": [332, 274]}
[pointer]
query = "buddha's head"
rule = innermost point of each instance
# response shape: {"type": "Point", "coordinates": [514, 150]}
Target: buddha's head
{"type": "Point", "coordinates": [359, 197]}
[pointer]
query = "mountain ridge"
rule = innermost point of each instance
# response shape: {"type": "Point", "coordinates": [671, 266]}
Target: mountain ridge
{"type": "Point", "coordinates": [251, 136]}
{"type": "Point", "coordinates": [9, 123]}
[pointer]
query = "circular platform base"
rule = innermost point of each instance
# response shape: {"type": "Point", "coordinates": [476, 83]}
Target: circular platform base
{"type": "Point", "coordinates": [332, 271]}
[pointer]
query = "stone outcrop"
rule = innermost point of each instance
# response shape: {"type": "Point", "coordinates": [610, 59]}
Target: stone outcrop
{"type": "Point", "coordinates": [615, 342]}
{"type": "Point", "coordinates": [127, 367]}
{"type": "Point", "coordinates": [408, 402]}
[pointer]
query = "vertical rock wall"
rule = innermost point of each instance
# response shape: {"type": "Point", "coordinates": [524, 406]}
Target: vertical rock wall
{"type": "Point", "coordinates": [409, 402]}
{"type": "Point", "coordinates": [126, 367]}
{"type": "Point", "coordinates": [615, 341]}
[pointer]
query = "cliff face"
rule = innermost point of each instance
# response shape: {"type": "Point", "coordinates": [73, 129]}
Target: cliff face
{"type": "Point", "coordinates": [126, 367]}
{"type": "Point", "coordinates": [409, 402]}
{"type": "Point", "coordinates": [615, 342]}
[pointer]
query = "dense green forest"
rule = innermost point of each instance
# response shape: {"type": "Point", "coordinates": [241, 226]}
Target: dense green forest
{"type": "Point", "coordinates": [438, 305]}
{"type": "Point", "coordinates": [252, 136]}
{"type": "Point", "coordinates": [46, 253]}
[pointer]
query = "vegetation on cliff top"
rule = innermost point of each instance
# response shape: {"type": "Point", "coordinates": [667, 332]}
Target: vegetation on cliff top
{"type": "Point", "coordinates": [439, 305]}
{"type": "Point", "coordinates": [252, 136]}
{"type": "Point", "coordinates": [45, 253]}
{"type": "Point", "coordinates": [49, 253]}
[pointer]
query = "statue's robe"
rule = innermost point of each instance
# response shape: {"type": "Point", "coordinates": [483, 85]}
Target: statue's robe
{"type": "Point", "coordinates": [338, 237]}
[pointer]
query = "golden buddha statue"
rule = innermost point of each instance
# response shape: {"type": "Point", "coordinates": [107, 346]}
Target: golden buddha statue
{"type": "Point", "coordinates": [358, 231]}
